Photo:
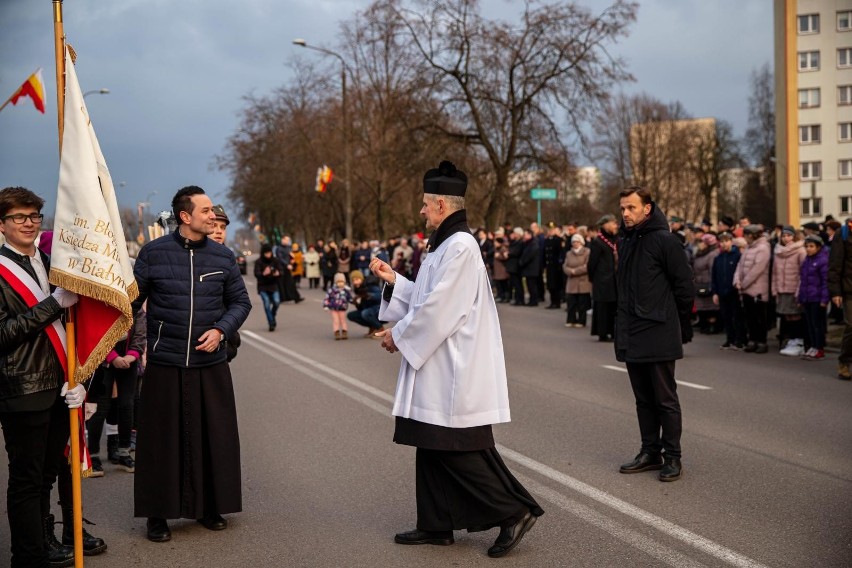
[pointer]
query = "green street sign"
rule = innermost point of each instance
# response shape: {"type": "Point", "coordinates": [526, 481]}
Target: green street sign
{"type": "Point", "coordinates": [540, 193]}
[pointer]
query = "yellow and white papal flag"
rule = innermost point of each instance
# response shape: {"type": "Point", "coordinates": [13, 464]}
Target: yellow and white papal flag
{"type": "Point", "coordinates": [89, 253]}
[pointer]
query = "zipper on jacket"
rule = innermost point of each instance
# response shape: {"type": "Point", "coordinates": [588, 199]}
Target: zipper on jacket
{"type": "Point", "coordinates": [191, 302]}
{"type": "Point", "coordinates": [201, 278]}
{"type": "Point", "coordinates": [159, 331]}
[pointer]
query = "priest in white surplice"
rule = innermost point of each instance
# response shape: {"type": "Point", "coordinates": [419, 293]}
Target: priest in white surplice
{"type": "Point", "coordinates": [452, 379]}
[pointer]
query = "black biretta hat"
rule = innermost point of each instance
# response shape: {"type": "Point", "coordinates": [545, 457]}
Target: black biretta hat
{"type": "Point", "coordinates": [445, 180]}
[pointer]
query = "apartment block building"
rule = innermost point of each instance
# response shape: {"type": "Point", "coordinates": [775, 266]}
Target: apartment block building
{"type": "Point", "coordinates": [813, 63]}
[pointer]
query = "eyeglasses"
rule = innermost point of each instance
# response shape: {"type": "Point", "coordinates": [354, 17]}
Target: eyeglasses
{"type": "Point", "coordinates": [20, 218]}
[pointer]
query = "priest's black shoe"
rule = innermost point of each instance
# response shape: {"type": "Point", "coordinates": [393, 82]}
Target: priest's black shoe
{"type": "Point", "coordinates": [671, 470]}
{"type": "Point", "coordinates": [441, 538]}
{"type": "Point", "coordinates": [510, 536]}
{"type": "Point", "coordinates": [643, 462]}
{"type": "Point", "coordinates": [158, 530]}
{"type": "Point", "coordinates": [214, 522]}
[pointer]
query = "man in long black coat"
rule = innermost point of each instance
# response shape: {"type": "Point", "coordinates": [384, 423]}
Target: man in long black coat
{"type": "Point", "coordinates": [188, 447]}
{"type": "Point", "coordinates": [602, 262]}
{"type": "Point", "coordinates": [554, 254]}
{"type": "Point", "coordinates": [655, 295]}
{"type": "Point", "coordinates": [530, 264]}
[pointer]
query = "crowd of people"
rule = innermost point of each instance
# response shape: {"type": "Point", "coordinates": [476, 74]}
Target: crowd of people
{"type": "Point", "coordinates": [749, 278]}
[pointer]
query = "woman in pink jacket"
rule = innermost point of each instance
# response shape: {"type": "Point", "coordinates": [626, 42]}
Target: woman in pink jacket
{"type": "Point", "coordinates": [752, 280]}
{"type": "Point", "coordinates": [789, 255]}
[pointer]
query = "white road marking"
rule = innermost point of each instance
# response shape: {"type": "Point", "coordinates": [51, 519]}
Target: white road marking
{"type": "Point", "coordinates": [705, 545]}
{"type": "Point", "coordinates": [684, 383]}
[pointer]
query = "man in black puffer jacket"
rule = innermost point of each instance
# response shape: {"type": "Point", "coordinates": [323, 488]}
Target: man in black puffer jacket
{"type": "Point", "coordinates": [188, 447]}
{"type": "Point", "coordinates": [655, 295]}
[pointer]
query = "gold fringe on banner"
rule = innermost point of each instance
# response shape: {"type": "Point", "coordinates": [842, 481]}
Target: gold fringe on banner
{"type": "Point", "coordinates": [112, 298]}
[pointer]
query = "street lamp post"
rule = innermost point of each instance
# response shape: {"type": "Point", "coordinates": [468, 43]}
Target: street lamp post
{"type": "Point", "coordinates": [346, 149]}
{"type": "Point", "coordinates": [96, 91]}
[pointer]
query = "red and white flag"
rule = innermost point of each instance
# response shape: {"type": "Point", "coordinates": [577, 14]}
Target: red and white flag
{"type": "Point", "coordinates": [89, 253]}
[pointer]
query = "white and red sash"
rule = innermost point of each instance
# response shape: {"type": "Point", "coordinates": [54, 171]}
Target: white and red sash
{"type": "Point", "coordinates": [31, 293]}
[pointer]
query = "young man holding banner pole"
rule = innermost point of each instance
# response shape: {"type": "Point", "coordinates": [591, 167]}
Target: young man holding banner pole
{"type": "Point", "coordinates": [33, 415]}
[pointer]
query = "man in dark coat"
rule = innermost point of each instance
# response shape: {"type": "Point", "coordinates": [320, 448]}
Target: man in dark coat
{"type": "Point", "coordinates": [602, 262]}
{"type": "Point", "coordinates": [287, 285]}
{"type": "Point", "coordinates": [513, 266]}
{"type": "Point", "coordinates": [530, 265]}
{"type": "Point", "coordinates": [188, 447]}
{"type": "Point", "coordinates": [840, 290]}
{"type": "Point", "coordinates": [655, 295]}
{"type": "Point", "coordinates": [554, 254]}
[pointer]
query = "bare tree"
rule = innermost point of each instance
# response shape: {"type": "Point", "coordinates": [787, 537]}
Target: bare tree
{"type": "Point", "coordinates": [760, 144]}
{"type": "Point", "coordinates": [502, 84]}
{"type": "Point", "coordinates": [714, 151]}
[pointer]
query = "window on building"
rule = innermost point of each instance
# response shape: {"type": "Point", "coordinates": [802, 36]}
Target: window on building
{"type": "Point", "coordinates": [811, 206]}
{"type": "Point", "coordinates": [844, 57]}
{"type": "Point", "coordinates": [844, 95]}
{"type": "Point", "coordinates": [844, 132]}
{"type": "Point", "coordinates": [844, 21]}
{"type": "Point", "coordinates": [809, 134]}
{"type": "Point", "coordinates": [810, 171]}
{"type": "Point", "coordinates": [808, 60]}
{"type": "Point", "coordinates": [808, 98]}
{"type": "Point", "coordinates": [845, 204]}
{"type": "Point", "coordinates": [844, 169]}
{"type": "Point", "coordinates": [809, 24]}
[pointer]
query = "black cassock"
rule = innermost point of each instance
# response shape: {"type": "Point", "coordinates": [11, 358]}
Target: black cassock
{"type": "Point", "coordinates": [188, 445]}
{"type": "Point", "coordinates": [462, 482]}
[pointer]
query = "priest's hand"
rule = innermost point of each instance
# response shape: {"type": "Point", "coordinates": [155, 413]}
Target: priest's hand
{"type": "Point", "coordinates": [383, 270]}
{"type": "Point", "coordinates": [387, 340]}
{"type": "Point", "coordinates": [209, 341]}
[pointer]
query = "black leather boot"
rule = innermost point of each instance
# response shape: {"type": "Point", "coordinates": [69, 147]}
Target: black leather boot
{"type": "Point", "coordinates": [671, 470]}
{"type": "Point", "coordinates": [92, 546]}
{"type": "Point", "coordinates": [57, 554]}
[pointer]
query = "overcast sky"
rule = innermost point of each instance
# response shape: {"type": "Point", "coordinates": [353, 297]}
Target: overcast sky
{"type": "Point", "coordinates": [177, 71]}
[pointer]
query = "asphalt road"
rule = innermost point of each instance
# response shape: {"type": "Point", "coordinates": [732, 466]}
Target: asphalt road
{"type": "Point", "coordinates": [767, 459]}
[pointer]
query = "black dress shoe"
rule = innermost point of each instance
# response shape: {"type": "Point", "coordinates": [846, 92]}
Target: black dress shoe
{"type": "Point", "coordinates": [158, 530]}
{"type": "Point", "coordinates": [643, 462]}
{"type": "Point", "coordinates": [214, 522]}
{"type": "Point", "coordinates": [671, 470]}
{"type": "Point", "coordinates": [552, 307]}
{"type": "Point", "coordinates": [510, 536]}
{"type": "Point", "coordinates": [441, 538]}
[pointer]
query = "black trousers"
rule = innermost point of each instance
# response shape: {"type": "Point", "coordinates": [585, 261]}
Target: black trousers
{"type": "Point", "coordinates": [555, 284]}
{"type": "Point", "coordinates": [846, 341]}
{"type": "Point", "coordinates": [578, 305]}
{"type": "Point", "coordinates": [733, 318]}
{"type": "Point", "coordinates": [468, 490]}
{"type": "Point", "coordinates": [532, 288]}
{"type": "Point", "coordinates": [815, 324]}
{"type": "Point", "coordinates": [517, 288]}
{"type": "Point", "coordinates": [657, 406]}
{"type": "Point", "coordinates": [35, 444]}
{"type": "Point", "coordinates": [125, 381]}
{"type": "Point", "coordinates": [755, 317]}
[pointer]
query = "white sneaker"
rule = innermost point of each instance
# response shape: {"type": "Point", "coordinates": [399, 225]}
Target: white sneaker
{"type": "Point", "coordinates": [809, 352]}
{"type": "Point", "coordinates": [794, 348]}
